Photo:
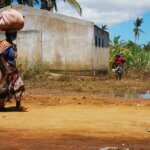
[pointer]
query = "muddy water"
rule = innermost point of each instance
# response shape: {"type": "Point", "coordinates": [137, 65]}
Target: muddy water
{"type": "Point", "coordinates": [144, 96]}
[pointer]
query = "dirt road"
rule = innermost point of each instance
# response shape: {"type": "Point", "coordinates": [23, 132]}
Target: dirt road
{"type": "Point", "coordinates": [73, 121]}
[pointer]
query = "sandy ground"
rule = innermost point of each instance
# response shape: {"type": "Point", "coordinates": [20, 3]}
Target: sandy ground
{"type": "Point", "coordinates": [59, 120]}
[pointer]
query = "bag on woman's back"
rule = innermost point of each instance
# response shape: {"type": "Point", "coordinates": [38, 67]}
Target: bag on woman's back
{"type": "Point", "coordinates": [11, 20]}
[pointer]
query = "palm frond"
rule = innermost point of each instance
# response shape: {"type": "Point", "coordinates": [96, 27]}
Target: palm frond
{"type": "Point", "coordinates": [75, 5]}
{"type": "Point", "coordinates": [138, 22]}
{"type": "Point", "coordinates": [104, 27]}
{"type": "Point", "coordinates": [28, 2]}
{"type": "Point", "coordinates": [141, 31]}
{"type": "Point", "coordinates": [4, 3]}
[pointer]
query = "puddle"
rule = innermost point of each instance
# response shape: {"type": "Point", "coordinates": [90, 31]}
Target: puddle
{"type": "Point", "coordinates": [113, 148]}
{"type": "Point", "coordinates": [145, 96]}
{"type": "Point", "coordinates": [109, 148]}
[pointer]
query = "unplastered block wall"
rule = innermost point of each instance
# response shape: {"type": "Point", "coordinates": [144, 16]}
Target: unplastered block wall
{"type": "Point", "coordinates": [28, 45]}
{"type": "Point", "coordinates": [66, 41]}
{"type": "Point", "coordinates": [100, 58]}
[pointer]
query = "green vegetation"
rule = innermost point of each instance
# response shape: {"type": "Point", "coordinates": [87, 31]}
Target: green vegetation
{"type": "Point", "coordinates": [103, 84]}
{"type": "Point", "coordinates": [137, 57]}
{"type": "Point", "coordinates": [29, 70]}
{"type": "Point", "coordinates": [4, 3]}
{"type": "Point", "coordinates": [104, 27]}
{"type": "Point", "coordinates": [138, 22]}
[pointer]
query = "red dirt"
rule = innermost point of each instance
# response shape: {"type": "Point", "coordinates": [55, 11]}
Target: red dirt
{"type": "Point", "coordinates": [59, 120]}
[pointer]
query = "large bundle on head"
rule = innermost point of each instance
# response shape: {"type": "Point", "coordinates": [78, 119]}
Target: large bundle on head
{"type": "Point", "coordinates": [11, 20]}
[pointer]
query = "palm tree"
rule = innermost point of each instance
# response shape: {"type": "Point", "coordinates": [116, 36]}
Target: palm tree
{"type": "Point", "coordinates": [28, 2]}
{"type": "Point", "coordinates": [136, 29]}
{"type": "Point", "coordinates": [4, 3]}
{"type": "Point", "coordinates": [51, 4]}
{"type": "Point", "coordinates": [48, 5]}
{"type": "Point", "coordinates": [104, 27]}
{"type": "Point", "coordinates": [146, 47]}
{"type": "Point", "coordinates": [115, 44]}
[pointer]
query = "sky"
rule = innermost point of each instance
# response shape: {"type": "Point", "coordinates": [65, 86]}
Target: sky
{"type": "Point", "coordinates": [118, 15]}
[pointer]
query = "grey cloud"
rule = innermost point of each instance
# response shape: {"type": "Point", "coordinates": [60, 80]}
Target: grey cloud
{"type": "Point", "coordinates": [108, 11]}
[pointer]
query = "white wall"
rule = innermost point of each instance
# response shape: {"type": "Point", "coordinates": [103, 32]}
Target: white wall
{"type": "Point", "coordinates": [66, 43]}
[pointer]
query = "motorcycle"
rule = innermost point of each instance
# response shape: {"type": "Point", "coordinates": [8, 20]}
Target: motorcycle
{"type": "Point", "coordinates": [11, 85]}
{"type": "Point", "coordinates": [118, 70]}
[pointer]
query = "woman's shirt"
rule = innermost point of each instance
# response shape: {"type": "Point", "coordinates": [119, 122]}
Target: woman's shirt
{"type": "Point", "coordinates": [9, 56]}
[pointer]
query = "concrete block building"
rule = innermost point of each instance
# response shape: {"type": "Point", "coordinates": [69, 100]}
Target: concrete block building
{"type": "Point", "coordinates": [65, 43]}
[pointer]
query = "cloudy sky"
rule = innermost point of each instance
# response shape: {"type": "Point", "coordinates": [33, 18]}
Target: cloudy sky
{"type": "Point", "coordinates": [119, 15]}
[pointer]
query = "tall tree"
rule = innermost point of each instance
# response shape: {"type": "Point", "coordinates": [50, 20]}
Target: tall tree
{"type": "Point", "coordinates": [28, 2]}
{"type": "Point", "coordinates": [138, 22]}
{"type": "Point", "coordinates": [4, 3]}
{"type": "Point", "coordinates": [52, 4]}
{"type": "Point", "coordinates": [147, 47]}
{"type": "Point", "coordinates": [48, 5]}
{"type": "Point", "coordinates": [104, 27]}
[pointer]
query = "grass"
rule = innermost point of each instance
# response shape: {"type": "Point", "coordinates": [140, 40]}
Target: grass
{"type": "Point", "coordinates": [39, 76]}
{"type": "Point", "coordinates": [30, 70]}
{"type": "Point", "coordinates": [104, 84]}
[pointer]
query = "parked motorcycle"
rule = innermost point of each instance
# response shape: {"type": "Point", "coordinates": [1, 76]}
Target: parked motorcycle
{"type": "Point", "coordinates": [118, 70]}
